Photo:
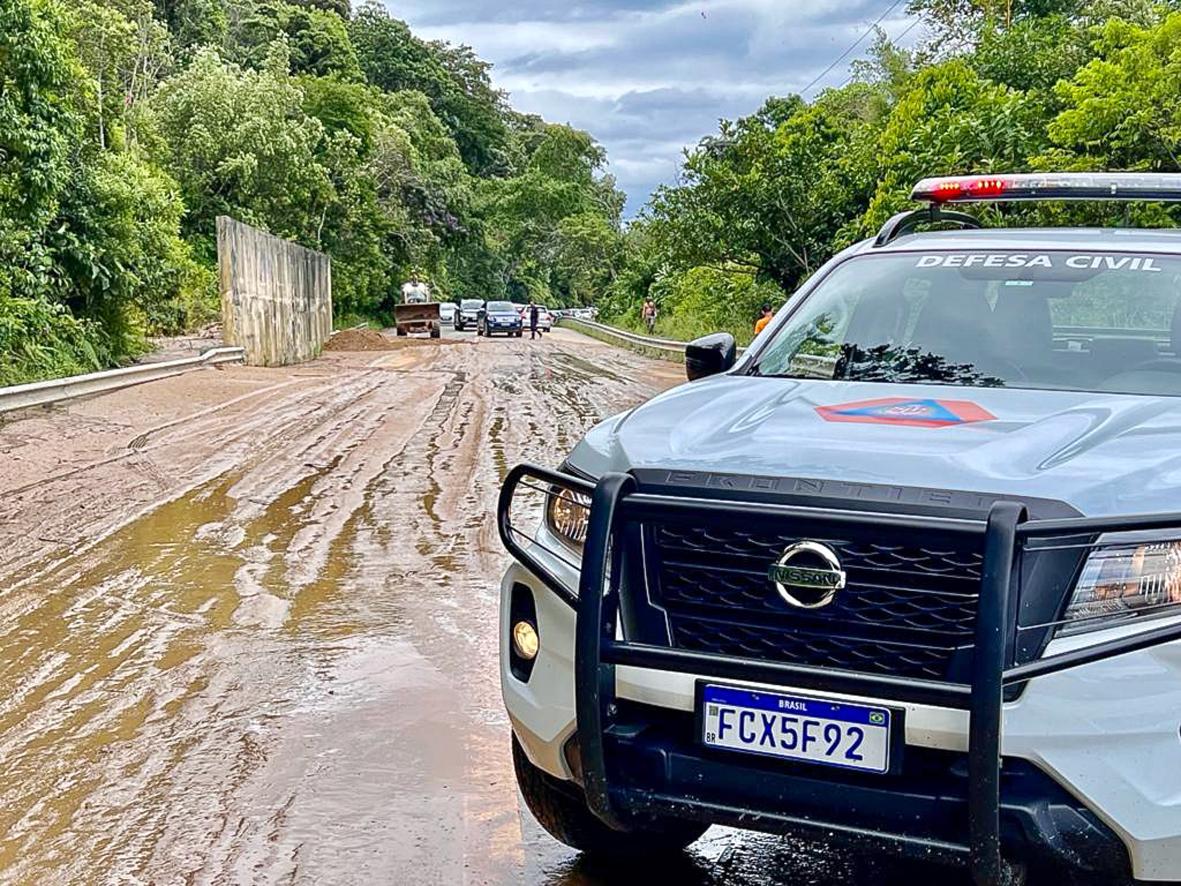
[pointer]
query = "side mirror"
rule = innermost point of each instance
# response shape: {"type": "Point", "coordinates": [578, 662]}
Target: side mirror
{"type": "Point", "coordinates": [710, 355]}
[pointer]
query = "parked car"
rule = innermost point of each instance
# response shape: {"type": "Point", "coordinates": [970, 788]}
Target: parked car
{"type": "Point", "coordinates": [447, 312]}
{"type": "Point", "coordinates": [499, 317]}
{"type": "Point", "coordinates": [469, 313]}
{"type": "Point", "coordinates": [905, 575]}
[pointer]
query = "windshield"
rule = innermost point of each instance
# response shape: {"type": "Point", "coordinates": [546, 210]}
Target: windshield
{"type": "Point", "coordinates": [1056, 320]}
{"type": "Point", "coordinates": [501, 307]}
{"type": "Point", "coordinates": [471, 304]}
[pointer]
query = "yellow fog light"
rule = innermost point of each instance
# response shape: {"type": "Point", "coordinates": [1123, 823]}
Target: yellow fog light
{"type": "Point", "coordinates": [525, 640]}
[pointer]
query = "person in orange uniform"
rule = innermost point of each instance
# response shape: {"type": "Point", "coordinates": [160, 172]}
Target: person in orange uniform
{"type": "Point", "coordinates": [765, 315]}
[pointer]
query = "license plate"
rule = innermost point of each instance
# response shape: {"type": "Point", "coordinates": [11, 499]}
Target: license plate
{"type": "Point", "coordinates": [811, 730]}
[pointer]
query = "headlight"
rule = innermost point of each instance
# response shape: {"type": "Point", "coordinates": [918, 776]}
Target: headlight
{"type": "Point", "coordinates": [1124, 582]}
{"type": "Point", "coordinates": [567, 514]}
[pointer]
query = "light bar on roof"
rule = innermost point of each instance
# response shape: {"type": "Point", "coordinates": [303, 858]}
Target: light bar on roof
{"type": "Point", "coordinates": [1153, 186]}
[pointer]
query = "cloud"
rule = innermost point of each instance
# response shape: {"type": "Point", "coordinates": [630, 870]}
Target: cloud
{"type": "Point", "coordinates": [648, 79]}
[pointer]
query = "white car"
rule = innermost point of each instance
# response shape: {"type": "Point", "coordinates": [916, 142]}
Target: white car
{"type": "Point", "coordinates": [906, 575]}
{"type": "Point", "coordinates": [447, 312]}
{"type": "Point", "coordinates": [545, 320]}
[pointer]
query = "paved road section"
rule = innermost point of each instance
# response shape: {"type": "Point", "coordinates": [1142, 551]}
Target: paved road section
{"type": "Point", "coordinates": [248, 626]}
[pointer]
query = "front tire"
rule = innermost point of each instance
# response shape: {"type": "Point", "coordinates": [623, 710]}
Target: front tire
{"type": "Point", "coordinates": [560, 807]}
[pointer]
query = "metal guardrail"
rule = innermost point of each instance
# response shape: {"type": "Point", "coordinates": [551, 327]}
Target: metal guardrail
{"type": "Point", "coordinates": [40, 393]}
{"type": "Point", "coordinates": [821, 367]}
{"type": "Point", "coordinates": [660, 344]}
{"type": "Point", "coordinates": [647, 341]}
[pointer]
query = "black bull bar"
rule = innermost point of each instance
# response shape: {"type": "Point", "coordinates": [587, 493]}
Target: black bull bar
{"type": "Point", "coordinates": [616, 499]}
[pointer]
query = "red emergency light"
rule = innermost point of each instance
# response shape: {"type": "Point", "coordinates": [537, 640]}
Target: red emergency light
{"type": "Point", "coordinates": [950, 189]}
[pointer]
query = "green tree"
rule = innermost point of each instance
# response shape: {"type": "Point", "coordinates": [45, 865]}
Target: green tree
{"type": "Point", "coordinates": [952, 121]}
{"type": "Point", "coordinates": [195, 23]}
{"type": "Point", "coordinates": [318, 41]}
{"type": "Point", "coordinates": [958, 25]}
{"type": "Point", "coordinates": [587, 257]}
{"type": "Point", "coordinates": [454, 80]}
{"type": "Point", "coordinates": [1123, 109]}
{"type": "Point", "coordinates": [89, 234]}
{"type": "Point", "coordinates": [536, 217]}
{"type": "Point", "coordinates": [118, 242]}
{"type": "Point", "coordinates": [126, 52]}
{"type": "Point", "coordinates": [41, 125]}
{"type": "Point", "coordinates": [768, 194]}
{"type": "Point", "coordinates": [40, 114]}
{"type": "Point", "coordinates": [240, 144]}
{"type": "Point", "coordinates": [342, 106]}
{"type": "Point", "coordinates": [341, 7]}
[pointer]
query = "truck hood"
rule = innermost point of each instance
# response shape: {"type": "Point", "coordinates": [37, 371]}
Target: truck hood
{"type": "Point", "coordinates": [1101, 453]}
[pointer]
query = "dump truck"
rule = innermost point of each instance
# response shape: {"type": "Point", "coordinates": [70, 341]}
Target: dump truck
{"type": "Point", "coordinates": [417, 313]}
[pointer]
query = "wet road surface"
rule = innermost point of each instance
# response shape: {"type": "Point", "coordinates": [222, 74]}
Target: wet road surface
{"type": "Point", "coordinates": [285, 670]}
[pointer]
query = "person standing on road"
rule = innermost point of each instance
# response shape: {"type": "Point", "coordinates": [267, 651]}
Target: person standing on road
{"type": "Point", "coordinates": [649, 314]}
{"type": "Point", "coordinates": [532, 319]}
{"type": "Point", "coordinates": [765, 315]}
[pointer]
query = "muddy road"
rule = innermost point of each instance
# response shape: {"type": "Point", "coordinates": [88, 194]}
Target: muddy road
{"type": "Point", "coordinates": [248, 625]}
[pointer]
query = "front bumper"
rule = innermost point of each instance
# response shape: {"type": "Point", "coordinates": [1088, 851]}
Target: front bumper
{"type": "Point", "coordinates": [919, 813]}
{"type": "Point", "coordinates": [1088, 777]}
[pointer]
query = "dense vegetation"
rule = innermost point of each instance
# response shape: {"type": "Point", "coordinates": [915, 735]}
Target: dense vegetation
{"type": "Point", "coordinates": [128, 126]}
{"type": "Point", "coordinates": [997, 85]}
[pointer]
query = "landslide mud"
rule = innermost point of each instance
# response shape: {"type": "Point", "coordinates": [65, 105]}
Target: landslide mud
{"type": "Point", "coordinates": [256, 641]}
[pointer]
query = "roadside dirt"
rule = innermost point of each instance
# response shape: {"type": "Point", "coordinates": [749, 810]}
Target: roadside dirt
{"type": "Point", "coordinates": [355, 340]}
{"type": "Point", "coordinates": [248, 626]}
{"type": "Point", "coordinates": [359, 340]}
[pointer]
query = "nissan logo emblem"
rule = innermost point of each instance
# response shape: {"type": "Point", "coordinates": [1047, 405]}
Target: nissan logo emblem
{"type": "Point", "coordinates": [807, 575]}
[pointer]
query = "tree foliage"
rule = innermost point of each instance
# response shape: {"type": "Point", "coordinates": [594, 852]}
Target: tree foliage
{"type": "Point", "coordinates": [240, 144]}
{"type": "Point", "coordinates": [1122, 110]}
{"type": "Point", "coordinates": [317, 40]}
{"type": "Point", "coordinates": [452, 78]}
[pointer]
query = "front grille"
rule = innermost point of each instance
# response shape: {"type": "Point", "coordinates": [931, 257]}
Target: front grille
{"type": "Point", "coordinates": [908, 609]}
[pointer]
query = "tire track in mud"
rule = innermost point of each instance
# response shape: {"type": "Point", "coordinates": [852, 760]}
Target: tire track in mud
{"type": "Point", "coordinates": [222, 445]}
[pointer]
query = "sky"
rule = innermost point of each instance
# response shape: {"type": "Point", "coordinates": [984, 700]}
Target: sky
{"type": "Point", "coordinates": [649, 77]}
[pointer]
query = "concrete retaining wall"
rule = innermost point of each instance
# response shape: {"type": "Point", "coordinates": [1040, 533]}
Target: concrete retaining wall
{"type": "Point", "coordinates": [276, 296]}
